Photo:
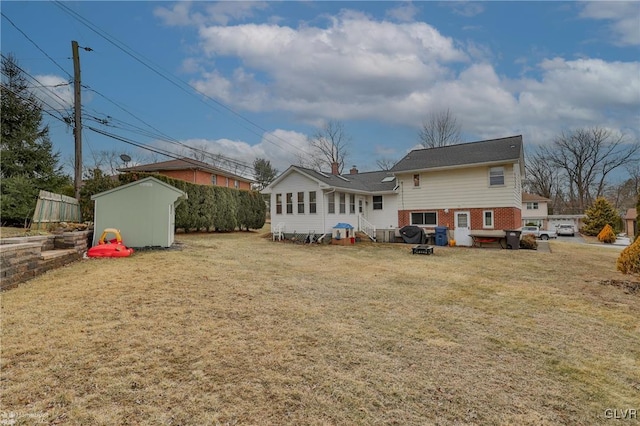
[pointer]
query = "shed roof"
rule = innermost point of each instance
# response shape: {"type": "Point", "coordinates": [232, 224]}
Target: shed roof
{"type": "Point", "coordinates": [179, 192]}
{"type": "Point", "coordinates": [631, 214]}
{"type": "Point", "coordinates": [507, 149]}
{"type": "Point", "coordinates": [183, 164]}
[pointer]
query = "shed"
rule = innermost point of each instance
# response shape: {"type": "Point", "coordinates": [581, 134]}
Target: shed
{"type": "Point", "coordinates": [143, 211]}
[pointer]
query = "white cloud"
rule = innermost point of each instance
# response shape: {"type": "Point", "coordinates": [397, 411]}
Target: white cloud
{"type": "Point", "coordinates": [54, 91]}
{"type": "Point", "coordinates": [220, 13]}
{"type": "Point", "coordinates": [403, 13]}
{"type": "Point", "coordinates": [281, 147]}
{"type": "Point", "coordinates": [464, 8]}
{"type": "Point", "coordinates": [624, 18]}
{"type": "Point", "coordinates": [356, 63]}
{"type": "Point", "coordinates": [360, 68]}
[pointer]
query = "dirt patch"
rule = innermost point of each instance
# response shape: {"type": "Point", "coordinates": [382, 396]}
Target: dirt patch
{"type": "Point", "coordinates": [629, 287]}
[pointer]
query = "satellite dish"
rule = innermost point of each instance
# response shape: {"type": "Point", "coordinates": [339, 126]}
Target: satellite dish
{"type": "Point", "coordinates": [125, 158]}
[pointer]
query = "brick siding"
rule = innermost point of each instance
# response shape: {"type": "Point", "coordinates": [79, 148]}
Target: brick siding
{"type": "Point", "coordinates": [503, 217]}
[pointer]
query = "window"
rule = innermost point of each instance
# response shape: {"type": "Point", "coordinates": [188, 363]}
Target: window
{"type": "Point", "coordinates": [352, 203]}
{"type": "Point", "coordinates": [532, 206]}
{"type": "Point", "coordinates": [214, 180]}
{"type": "Point", "coordinates": [360, 206]}
{"type": "Point", "coordinates": [496, 176]}
{"type": "Point", "coordinates": [227, 184]}
{"type": "Point", "coordinates": [343, 200]}
{"type": "Point", "coordinates": [377, 202]}
{"type": "Point", "coordinates": [236, 184]}
{"type": "Point", "coordinates": [312, 202]}
{"type": "Point", "coordinates": [424, 218]}
{"type": "Point", "coordinates": [487, 219]}
{"type": "Point", "coordinates": [301, 202]}
{"type": "Point", "coordinates": [416, 180]}
{"type": "Point", "coordinates": [332, 203]}
{"type": "Point", "coordinates": [289, 203]}
{"type": "Point", "coordinates": [278, 203]}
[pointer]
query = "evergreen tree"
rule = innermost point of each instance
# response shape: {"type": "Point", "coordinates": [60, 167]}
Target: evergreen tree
{"type": "Point", "coordinates": [207, 208]}
{"type": "Point", "coordinates": [27, 161]}
{"type": "Point", "coordinates": [264, 173]}
{"type": "Point", "coordinates": [94, 182]}
{"type": "Point", "coordinates": [600, 214]}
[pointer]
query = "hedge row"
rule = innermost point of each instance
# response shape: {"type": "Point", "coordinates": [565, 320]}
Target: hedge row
{"type": "Point", "coordinates": [212, 207]}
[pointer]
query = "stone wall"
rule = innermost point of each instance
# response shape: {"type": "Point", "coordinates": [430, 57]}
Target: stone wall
{"type": "Point", "coordinates": [23, 258]}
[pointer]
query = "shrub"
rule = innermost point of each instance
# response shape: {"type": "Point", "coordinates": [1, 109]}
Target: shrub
{"type": "Point", "coordinates": [629, 260]}
{"type": "Point", "coordinates": [607, 235]}
{"type": "Point", "coordinates": [529, 242]}
{"type": "Point", "coordinates": [601, 213]}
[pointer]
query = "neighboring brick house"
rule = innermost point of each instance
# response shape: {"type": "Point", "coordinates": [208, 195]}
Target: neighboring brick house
{"type": "Point", "coordinates": [194, 171]}
{"type": "Point", "coordinates": [464, 187]}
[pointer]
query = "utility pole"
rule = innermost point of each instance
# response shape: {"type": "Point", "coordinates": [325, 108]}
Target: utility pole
{"type": "Point", "coordinates": [77, 129]}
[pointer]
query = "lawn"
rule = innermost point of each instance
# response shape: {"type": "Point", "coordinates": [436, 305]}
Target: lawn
{"type": "Point", "coordinates": [237, 329]}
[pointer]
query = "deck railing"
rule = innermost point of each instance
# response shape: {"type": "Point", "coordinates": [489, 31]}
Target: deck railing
{"type": "Point", "coordinates": [366, 227]}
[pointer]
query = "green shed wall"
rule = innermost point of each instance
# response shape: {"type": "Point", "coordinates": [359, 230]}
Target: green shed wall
{"type": "Point", "coordinates": [142, 212]}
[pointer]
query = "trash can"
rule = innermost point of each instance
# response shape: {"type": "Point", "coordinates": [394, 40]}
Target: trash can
{"type": "Point", "coordinates": [513, 238]}
{"type": "Point", "coordinates": [442, 239]}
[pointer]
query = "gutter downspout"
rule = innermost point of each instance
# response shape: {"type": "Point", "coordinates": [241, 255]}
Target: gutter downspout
{"type": "Point", "coordinates": [325, 210]}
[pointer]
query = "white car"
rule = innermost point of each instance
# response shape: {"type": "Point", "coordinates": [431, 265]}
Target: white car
{"type": "Point", "coordinates": [565, 230]}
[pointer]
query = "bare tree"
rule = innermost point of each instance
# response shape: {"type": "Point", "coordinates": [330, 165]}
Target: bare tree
{"type": "Point", "coordinates": [440, 128]}
{"type": "Point", "coordinates": [544, 178]}
{"type": "Point", "coordinates": [385, 163]}
{"type": "Point", "coordinates": [329, 145]}
{"type": "Point", "coordinates": [587, 157]}
{"type": "Point", "coordinates": [108, 162]}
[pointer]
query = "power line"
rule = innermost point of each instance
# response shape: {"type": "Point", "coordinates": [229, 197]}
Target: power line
{"type": "Point", "coordinates": [159, 135]}
{"type": "Point", "coordinates": [171, 78]}
{"type": "Point", "coordinates": [144, 146]}
{"type": "Point", "coordinates": [62, 101]}
{"type": "Point", "coordinates": [35, 44]}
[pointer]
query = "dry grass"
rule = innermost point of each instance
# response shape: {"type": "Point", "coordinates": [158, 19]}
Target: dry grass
{"type": "Point", "coordinates": [9, 232]}
{"type": "Point", "coordinates": [236, 329]}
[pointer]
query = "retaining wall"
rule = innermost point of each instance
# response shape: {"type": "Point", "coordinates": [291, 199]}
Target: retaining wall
{"type": "Point", "coordinates": [23, 258]}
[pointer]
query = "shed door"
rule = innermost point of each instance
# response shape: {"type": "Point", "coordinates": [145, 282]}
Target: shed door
{"type": "Point", "coordinates": [462, 229]}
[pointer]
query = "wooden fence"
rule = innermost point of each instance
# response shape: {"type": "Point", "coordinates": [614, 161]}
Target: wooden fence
{"type": "Point", "coordinates": [55, 208]}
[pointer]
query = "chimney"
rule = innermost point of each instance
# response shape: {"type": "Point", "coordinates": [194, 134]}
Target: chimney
{"type": "Point", "coordinates": [334, 168]}
{"type": "Point", "coordinates": [353, 170]}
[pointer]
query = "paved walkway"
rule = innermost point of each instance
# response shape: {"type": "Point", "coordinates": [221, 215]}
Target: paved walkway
{"type": "Point", "coordinates": [543, 246]}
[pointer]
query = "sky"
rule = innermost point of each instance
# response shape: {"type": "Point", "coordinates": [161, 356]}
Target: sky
{"type": "Point", "coordinates": [247, 80]}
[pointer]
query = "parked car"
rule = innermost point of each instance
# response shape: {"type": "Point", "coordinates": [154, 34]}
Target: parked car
{"type": "Point", "coordinates": [539, 233]}
{"type": "Point", "coordinates": [565, 230]}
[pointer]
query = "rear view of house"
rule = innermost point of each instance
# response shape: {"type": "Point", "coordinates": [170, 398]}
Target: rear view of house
{"type": "Point", "coordinates": [470, 186]}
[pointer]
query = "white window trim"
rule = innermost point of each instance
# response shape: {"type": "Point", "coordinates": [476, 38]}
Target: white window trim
{"type": "Point", "coordinates": [493, 220]}
{"type": "Point", "coordinates": [504, 180]}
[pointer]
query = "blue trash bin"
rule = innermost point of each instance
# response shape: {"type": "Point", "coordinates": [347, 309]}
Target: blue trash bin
{"type": "Point", "coordinates": [442, 239]}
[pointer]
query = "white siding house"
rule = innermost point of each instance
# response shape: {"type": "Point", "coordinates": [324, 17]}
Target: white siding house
{"type": "Point", "coordinates": [307, 201]}
{"type": "Point", "coordinates": [464, 187]}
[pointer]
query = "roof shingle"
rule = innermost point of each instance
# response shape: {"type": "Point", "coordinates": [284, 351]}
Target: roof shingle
{"type": "Point", "coordinates": [487, 151]}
